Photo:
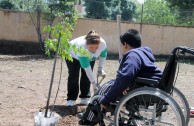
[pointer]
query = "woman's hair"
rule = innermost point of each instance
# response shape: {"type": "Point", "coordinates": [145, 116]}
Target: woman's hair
{"type": "Point", "coordinates": [92, 38]}
{"type": "Point", "coordinates": [132, 38]}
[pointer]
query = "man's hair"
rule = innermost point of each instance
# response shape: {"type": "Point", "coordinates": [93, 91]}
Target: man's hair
{"type": "Point", "coordinates": [132, 38]}
{"type": "Point", "coordinates": [92, 38]}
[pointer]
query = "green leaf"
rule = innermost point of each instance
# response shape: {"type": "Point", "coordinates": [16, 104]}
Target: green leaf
{"type": "Point", "coordinates": [65, 29]}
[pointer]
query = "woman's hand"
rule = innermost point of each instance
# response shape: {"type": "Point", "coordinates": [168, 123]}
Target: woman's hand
{"type": "Point", "coordinates": [101, 72]}
{"type": "Point", "coordinates": [95, 87]}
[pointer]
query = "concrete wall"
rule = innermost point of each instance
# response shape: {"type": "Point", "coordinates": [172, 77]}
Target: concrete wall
{"type": "Point", "coordinates": [162, 39]}
{"type": "Point", "coordinates": [17, 26]}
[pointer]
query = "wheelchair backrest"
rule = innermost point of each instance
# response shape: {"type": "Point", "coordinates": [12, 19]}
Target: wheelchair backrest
{"type": "Point", "coordinates": [167, 80]}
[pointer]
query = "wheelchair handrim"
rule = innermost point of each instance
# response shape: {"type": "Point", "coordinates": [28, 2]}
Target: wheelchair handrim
{"type": "Point", "coordinates": [154, 92]}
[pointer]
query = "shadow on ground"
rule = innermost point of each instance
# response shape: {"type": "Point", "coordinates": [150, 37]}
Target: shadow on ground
{"type": "Point", "coordinates": [67, 111]}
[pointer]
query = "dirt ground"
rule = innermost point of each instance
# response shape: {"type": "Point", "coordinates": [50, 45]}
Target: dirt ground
{"type": "Point", "coordinates": [25, 81]}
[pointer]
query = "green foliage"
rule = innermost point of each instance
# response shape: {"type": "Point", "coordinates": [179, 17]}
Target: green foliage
{"type": "Point", "coordinates": [128, 9]}
{"type": "Point", "coordinates": [97, 9]}
{"type": "Point", "coordinates": [49, 10]}
{"type": "Point", "coordinates": [115, 9]}
{"type": "Point", "coordinates": [5, 4]}
{"type": "Point", "coordinates": [63, 33]}
{"type": "Point", "coordinates": [62, 8]}
{"type": "Point", "coordinates": [108, 9]}
{"type": "Point", "coordinates": [23, 5]}
{"type": "Point", "coordinates": [157, 12]}
{"type": "Point", "coordinates": [182, 4]}
{"type": "Point", "coordinates": [185, 17]}
{"type": "Point", "coordinates": [184, 10]}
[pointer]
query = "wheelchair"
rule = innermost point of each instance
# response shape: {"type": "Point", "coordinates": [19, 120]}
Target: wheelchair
{"type": "Point", "coordinates": [146, 105]}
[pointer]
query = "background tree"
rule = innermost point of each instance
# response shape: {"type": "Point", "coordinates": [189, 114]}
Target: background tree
{"type": "Point", "coordinates": [185, 10]}
{"type": "Point", "coordinates": [115, 9]}
{"type": "Point", "coordinates": [182, 4]}
{"type": "Point", "coordinates": [6, 4]}
{"type": "Point", "coordinates": [128, 9]}
{"type": "Point", "coordinates": [157, 12]}
{"type": "Point", "coordinates": [97, 9]}
{"type": "Point", "coordinates": [108, 9]}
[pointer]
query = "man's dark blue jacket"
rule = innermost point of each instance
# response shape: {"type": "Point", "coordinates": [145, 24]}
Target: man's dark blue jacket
{"type": "Point", "coordinates": [138, 62]}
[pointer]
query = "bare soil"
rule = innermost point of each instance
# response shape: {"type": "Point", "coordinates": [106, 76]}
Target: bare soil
{"type": "Point", "coordinates": [25, 82]}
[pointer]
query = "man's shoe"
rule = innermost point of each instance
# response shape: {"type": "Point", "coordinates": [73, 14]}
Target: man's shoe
{"type": "Point", "coordinates": [84, 101]}
{"type": "Point", "coordinates": [70, 103]}
{"type": "Point", "coordinates": [87, 123]}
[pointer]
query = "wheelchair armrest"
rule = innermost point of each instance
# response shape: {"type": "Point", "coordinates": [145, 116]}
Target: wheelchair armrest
{"type": "Point", "coordinates": [146, 81]}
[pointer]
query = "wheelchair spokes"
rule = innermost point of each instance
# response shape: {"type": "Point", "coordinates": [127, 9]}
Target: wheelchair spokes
{"type": "Point", "coordinates": [148, 116]}
{"type": "Point", "coordinates": [148, 108]}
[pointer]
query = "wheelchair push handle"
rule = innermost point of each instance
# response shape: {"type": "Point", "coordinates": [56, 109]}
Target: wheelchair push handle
{"type": "Point", "coordinates": [183, 50]}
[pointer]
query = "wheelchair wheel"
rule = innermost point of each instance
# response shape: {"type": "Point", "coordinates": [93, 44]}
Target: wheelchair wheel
{"type": "Point", "coordinates": [148, 107]}
{"type": "Point", "coordinates": [183, 103]}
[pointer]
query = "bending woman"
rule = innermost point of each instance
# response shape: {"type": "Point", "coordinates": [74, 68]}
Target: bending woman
{"type": "Point", "coordinates": [96, 47]}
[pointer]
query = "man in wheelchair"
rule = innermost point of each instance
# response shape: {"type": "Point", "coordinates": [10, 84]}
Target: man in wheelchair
{"type": "Point", "coordinates": [137, 61]}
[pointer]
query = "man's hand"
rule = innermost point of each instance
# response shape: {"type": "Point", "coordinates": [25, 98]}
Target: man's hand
{"type": "Point", "coordinates": [126, 91]}
{"type": "Point", "coordinates": [101, 72]}
{"type": "Point", "coordinates": [103, 106]}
